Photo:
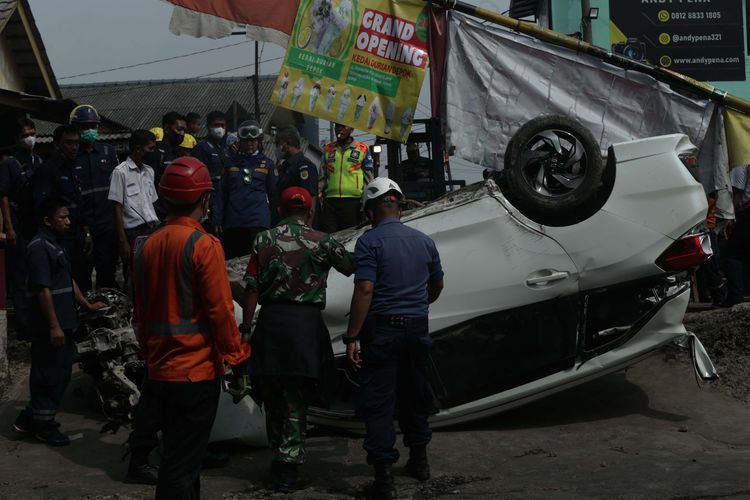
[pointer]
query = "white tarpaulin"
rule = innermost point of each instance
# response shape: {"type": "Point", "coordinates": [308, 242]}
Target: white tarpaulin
{"type": "Point", "coordinates": [189, 22]}
{"type": "Point", "coordinates": [496, 80]}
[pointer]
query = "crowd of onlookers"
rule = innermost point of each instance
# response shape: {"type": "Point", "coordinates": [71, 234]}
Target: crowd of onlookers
{"type": "Point", "coordinates": [113, 202]}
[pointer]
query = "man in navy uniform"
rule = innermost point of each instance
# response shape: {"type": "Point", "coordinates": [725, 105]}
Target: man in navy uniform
{"type": "Point", "coordinates": [246, 188]}
{"type": "Point", "coordinates": [16, 179]}
{"type": "Point", "coordinates": [59, 175]}
{"type": "Point", "coordinates": [52, 322]}
{"type": "Point", "coordinates": [97, 161]}
{"type": "Point", "coordinates": [398, 276]}
{"type": "Point", "coordinates": [294, 168]}
{"type": "Point", "coordinates": [212, 151]}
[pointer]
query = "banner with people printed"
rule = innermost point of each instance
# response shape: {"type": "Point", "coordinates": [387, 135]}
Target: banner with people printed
{"type": "Point", "coordinates": [356, 62]}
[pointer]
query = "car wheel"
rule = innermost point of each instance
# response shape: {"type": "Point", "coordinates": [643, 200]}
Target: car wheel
{"type": "Point", "coordinates": [553, 171]}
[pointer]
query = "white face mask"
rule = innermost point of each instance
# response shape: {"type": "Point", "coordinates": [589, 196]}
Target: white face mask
{"type": "Point", "coordinates": [28, 142]}
{"type": "Point", "coordinates": [217, 132]}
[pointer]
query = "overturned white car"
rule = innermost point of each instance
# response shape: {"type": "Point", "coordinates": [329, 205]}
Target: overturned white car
{"type": "Point", "coordinates": [530, 309]}
{"type": "Point", "coordinates": [560, 269]}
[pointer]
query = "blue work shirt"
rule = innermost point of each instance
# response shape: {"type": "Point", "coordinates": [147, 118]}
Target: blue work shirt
{"type": "Point", "coordinates": [400, 261]}
{"type": "Point", "coordinates": [12, 170]}
{"type": "Point", "coordinates": [16, 172]}
{"type": "Point", "coordinates": [49, 267]}
{"type": "Point", "coordinates": [298, 171]}
{"type": "Point", "coordinates": [95, 173]}
{"type": "Point", "coordinates": [247, 186]}
{"type": "Point", "coordinates": [214, 155]}
{"type": "Point", "coordinates": [61, 177]}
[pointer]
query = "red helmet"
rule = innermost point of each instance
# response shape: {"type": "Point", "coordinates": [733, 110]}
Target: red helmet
{"type": "Point", "coordinates": [185, 180]}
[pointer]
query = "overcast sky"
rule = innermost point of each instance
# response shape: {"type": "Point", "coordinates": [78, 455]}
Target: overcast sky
{"type": "Point", "coordinates": [84, 36]}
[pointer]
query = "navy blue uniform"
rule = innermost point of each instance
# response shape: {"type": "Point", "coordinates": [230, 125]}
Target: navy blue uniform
{"type": "Point", "coordinates": [395, 341]}
{"type": "Point", "coordinates": [61, 177]}
{"type": "Point", "coordinates": [214, 155]}
{"type": "Point", "coordinates": [17, 176]}
{"type": "Point", "coordinates": [244, 208]}
{"type": "Point", "coordinates": [163, 155]}
{"type": "Point", "coordinates": [49, 267]}
{"type": "Point", "coordinates": [299, 171]}
{"type": "Point", "coordinates": [95, 173]}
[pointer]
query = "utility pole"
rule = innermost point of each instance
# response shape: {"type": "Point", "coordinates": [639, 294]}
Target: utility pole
{"type": "Point", "coordinates": [585, 21]}
{"type": "Point", "coordinates": [255, 83]}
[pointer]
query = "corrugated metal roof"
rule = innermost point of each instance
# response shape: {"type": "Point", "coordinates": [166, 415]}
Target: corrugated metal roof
{"type": "Point", "coordinates": [141, 104]}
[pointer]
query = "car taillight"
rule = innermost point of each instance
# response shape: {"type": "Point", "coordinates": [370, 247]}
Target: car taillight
{"type": "Point", "coordinates": [690, 160]}
{"type": "Point", "coordinates": [685, 253]}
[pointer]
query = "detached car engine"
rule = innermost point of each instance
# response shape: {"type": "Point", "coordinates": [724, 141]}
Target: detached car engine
{"type": "Point", "coordinates": [107, 350]}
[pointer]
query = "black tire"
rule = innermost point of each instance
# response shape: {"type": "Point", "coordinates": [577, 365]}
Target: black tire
{"type": "Point", "coordinates": [553, 171]}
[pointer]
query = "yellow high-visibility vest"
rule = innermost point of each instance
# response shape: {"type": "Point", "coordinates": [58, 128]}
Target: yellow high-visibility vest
{"type": "Point", "coordinates": [344, 168]}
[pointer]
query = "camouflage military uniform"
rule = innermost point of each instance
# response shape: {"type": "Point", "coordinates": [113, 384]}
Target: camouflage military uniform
{"type": "Point", "coordinates": [291, 348]}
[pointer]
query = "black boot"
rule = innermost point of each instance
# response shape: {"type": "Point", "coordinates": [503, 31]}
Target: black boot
{"type": "Point", "coordinates": [140, 471]}
{"type": "Point", "coordinates": [417, 465]}
{"type": "Point", "coordinates": [382, 488]}
{"type": "Point", "coordinates": [286, 477]}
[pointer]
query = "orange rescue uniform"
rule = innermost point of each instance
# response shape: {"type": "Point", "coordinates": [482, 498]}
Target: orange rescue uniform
{"type": "Point", "coordinates": [183, 305]}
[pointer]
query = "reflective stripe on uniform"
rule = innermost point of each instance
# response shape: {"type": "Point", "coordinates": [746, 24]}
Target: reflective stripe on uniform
{"type": "Point", "coordinates": [95, 190]}
{"type": "Point", "coordinates": [185, 292]}
{"type": "Point", "coordinates": [184, 327]}
{"type": "Point", "coordinates": [186, 284]}
{"type": "Point", "coordinates": [56, 291]}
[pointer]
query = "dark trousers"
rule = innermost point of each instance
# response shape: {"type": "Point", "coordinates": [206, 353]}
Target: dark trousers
{"type": "Point", "coordinates": [132, 234]}
{"type": "Point", "coordinates": [15, 282]}
{"type": "Point", "coordinates": [340, 213]}
{"type": "Point", "coordinates": [286, 417]}
{"type": "Point", "coordinates": [51, 368]}
{"type": "Point", "coordinates": [73, 242]}
{"type": "Point", "coordinates": [395, 371]}
{"type": "Point", "coordinates": [737, 253]}
{"type": "Point", "coordinates": [146, 423]}
{"type": "Point", "coordinates": [103, 258]}
{"type": "Point", "coordinates": [238, 241]}
{"type": "Point", "coordinates": [187, 410]}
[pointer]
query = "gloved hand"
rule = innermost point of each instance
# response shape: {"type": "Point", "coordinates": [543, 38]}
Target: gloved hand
{"type": "Point", "coordinates": [239, 387]}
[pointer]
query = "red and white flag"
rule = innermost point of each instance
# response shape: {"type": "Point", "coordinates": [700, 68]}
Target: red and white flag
{"type": "Point", "coordinates": [266, 20]}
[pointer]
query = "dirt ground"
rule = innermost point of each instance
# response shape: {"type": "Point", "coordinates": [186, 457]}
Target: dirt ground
{"type": "Point", "coordinates": [648, 433]}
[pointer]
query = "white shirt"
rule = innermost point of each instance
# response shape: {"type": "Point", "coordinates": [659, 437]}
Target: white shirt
{"type": "Point", "coordinates": [133, 188]}
{"type": "Point", "coordinates": [738, 176]}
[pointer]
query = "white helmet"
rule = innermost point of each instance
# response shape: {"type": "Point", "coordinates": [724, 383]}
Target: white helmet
{"type": "Point", "coordinates": [380, 186]}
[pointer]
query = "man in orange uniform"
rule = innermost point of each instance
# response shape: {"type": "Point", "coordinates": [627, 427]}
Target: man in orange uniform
{"type": "Point", "coordinates": [185, 324]}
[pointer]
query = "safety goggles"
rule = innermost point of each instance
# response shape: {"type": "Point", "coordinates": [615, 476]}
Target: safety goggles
{"type": "Point", "coordinates": [250, 132]}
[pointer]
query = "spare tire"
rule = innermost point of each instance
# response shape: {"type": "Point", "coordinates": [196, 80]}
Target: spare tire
{"type": "Point", "coordinates": [553, 171]}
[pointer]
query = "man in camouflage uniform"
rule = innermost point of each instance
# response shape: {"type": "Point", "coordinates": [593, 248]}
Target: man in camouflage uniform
{"type": "Point", "coordinates": [292, 352]}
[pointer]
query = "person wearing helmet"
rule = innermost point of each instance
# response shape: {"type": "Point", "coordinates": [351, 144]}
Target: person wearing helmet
{"type": "Point", "coordinates": [347, 168]}
{"type": "Point", "coordinates": [246, 187]}
{"type": "Point", "coordinates": [212, 151]}
{"type": "Point", "coordinates": [398, 276]}
{"type": "Point", "coordinates": [185, 324]}
{"type": "Point", "coordinates": [94, 165]}
{"type": "Point", "coordinates": [287, 273]}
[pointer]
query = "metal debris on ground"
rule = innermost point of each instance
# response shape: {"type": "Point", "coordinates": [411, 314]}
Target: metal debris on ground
{"type": "Point", "coordinates": [108, 351]}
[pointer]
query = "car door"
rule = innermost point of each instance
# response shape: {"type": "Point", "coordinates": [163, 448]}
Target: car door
{"type": "Point", "coordinates": [508, 313]}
